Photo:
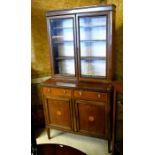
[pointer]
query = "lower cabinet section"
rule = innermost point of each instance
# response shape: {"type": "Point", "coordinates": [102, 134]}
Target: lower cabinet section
{"type": "Point", "coordinates": [91, 117]}
{"type": "Point", "coordinates": [77, 111]}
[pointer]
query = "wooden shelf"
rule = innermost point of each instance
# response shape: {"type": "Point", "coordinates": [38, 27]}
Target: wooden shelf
{"type": "Point", "coordinates": [59, 37]}
{"type": "Point", "coordinates": [62, 41]}
{"type": "Point", "coordinates": [92, 26]}
{"type": "Point", "coordinates": [64, 57]}
{"type": "Point", "coordinates": [92, 76]}
{"type": "Point", "coordinates": [92, 58]}
{"type": "Point", "coordinates": [93, 40]}
{"type": "Point", "coordinates": [89, 41]}
{"type": "Point", "coordinates": [87, 26]}
{"type": "Point", "coordinates": [62, 27]}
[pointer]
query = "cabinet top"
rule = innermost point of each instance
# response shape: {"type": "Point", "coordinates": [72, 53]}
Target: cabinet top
{"type": "Point", "coordinates": [82, 10]}
{"type": "Point", "coordinates": [107, 87]}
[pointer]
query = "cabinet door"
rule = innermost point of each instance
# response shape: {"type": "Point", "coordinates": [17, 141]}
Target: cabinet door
{"type": "Point", "coordinates": [58, 112]}
{"type": "Point", "coordinates": [93, 45]}
{"type": "Point", "coordinates": [62, 40]}
{"type": "Point", "coordinates": [91, 118]}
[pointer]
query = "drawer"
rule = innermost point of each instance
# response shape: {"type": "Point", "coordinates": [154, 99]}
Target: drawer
{"type": "Point", "coordinates": [92, 117]}
{"type": "Point", "coordinates": [89, 95]}
{"type": "Point", "coordinates": [57, 92]}
{"type": "Point", "coordinates": [46, 90]}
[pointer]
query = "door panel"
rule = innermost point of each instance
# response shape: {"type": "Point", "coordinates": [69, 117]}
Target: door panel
{"type": "Point", "coordinates": [92, 117]}
{"type": "Point", "coordinates": [58, 112]}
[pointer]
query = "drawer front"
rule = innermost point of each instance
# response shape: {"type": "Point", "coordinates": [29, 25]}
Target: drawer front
{"type": "Point", "coordinates": [89, 95]}
{"type": "Point", "coordinates": [57, 92]}
{"type": "Point", "coordinates": [92, 118]}
{"type": "Point", "coordinates": [58, 113]}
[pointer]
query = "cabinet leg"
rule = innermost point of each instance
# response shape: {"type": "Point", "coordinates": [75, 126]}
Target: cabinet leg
{"type": "Point", "coordinates": [48, 133]}
{"type": "Point", "coordinates": [109, 146]}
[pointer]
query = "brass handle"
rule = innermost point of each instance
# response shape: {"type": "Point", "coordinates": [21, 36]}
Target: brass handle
{"type": "Point", "coordinates": [99, 95]}
{"type": "Point", "coordinates": [48, 90]}
{"type": "Point", "coordinates": [64, 91]}
{"type": "Point", "coordinates": [80, 93]}
{"type": "Point", "coordinates": [91, 118]}
{"type": "Point", "coordinates": [59, 113]}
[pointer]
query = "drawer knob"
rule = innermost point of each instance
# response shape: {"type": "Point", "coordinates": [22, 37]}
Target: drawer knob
{"type": "Point", "coordinates": [91, 119]}
{"type": "Point", "coordinates": [65, 91]}
{"type": "Point", "coordinates": [80, 93]}
{"type": "Point", "coordinates": [59, 113]}
{"type": "Point", "coordinates": [99, 95]}
{"type": "Point", "coordinates": [48, 90]}
{"type": "Point", "coordinates": [108, 89]}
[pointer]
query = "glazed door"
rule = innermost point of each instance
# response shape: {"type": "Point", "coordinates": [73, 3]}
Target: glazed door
{"type": "Point", "coordinates": [92, 39]}
{"type": "Point", "coordinates": [63, 42]}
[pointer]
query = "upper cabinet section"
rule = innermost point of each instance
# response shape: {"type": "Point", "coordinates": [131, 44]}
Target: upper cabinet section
{"type": "Point", "coordinates": [81, 43]}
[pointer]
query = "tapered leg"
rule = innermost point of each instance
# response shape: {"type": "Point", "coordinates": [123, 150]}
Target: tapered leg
{"type": "Point", "coordinates": [48, 133]}
{"type": "Point", "coordinates": [109, 146]}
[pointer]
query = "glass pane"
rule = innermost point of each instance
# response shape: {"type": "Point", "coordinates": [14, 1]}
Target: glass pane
{"type": "Point", "coordinates": [65, 49]}
{"type": "Point", "coordinates": [93, 68]}
{"type": "Point", "coordinates": [96, 48]}
{"type": "Point", "coordinates": [93, 28]}
{"type": "Point", "coordinates": [93, 21]}
{"type": "Point", "coordinates": [93, 45]}
{"type": "Point", "coordinates": [66, 66]}
{"type": "Point", "coordinates": [63, 45]}
{"type": "Point", "coordinates": [92, 33]}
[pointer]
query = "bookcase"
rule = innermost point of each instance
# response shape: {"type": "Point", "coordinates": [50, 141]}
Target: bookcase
{"type": "Point", "coordinates": [77, 98]}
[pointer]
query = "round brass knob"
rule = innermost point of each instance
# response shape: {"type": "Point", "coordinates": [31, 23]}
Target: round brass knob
{"type": "Point", "coordinates": [64, 91]}
{"type": "Point", "coordinates": [91, 118]}
{"type": "Point", "coordinates": [80, 93]}
{"type": "Point", "coordinates": [58, 113]}
{"type": "Point", "coordinates": [48, 90]}
{"type": "Point", "coordinates": [99, 95]}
